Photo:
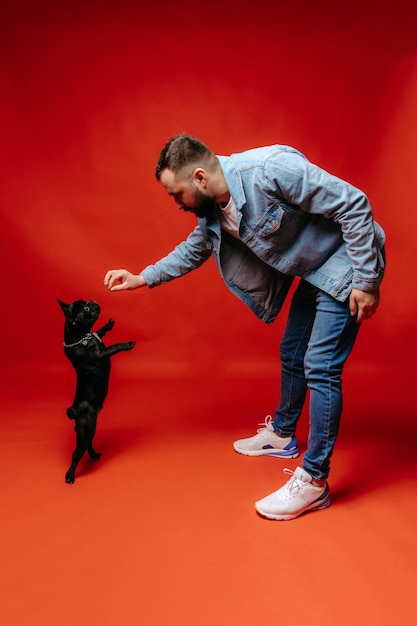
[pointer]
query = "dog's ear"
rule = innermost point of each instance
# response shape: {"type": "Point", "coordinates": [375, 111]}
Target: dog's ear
{"type": "Point", "coordinates": [63, 306]}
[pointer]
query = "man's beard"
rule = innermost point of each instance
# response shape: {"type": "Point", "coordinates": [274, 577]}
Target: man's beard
{"type": "Point", "coordinates": [204, 206]}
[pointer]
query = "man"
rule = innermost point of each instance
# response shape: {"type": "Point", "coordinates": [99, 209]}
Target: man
{"type": "Point", "coordinates": [268, 215]}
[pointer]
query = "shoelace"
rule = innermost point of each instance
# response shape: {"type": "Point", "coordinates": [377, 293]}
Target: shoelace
{"type": "Point", "coordinates": [264, 425]}
{"type": "Point", "coordinates": [294, 485]}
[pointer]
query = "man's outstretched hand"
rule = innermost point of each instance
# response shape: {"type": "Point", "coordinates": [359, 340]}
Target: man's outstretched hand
{"type": "Point", "coordinates": [117, 280]}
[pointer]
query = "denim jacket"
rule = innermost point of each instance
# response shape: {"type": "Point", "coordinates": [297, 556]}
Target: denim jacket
{"type": "Point", "coordinates": [294, 219]}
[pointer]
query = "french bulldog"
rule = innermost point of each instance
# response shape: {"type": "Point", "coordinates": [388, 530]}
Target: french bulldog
{"type": "Point", "coordinates": [91, 360]}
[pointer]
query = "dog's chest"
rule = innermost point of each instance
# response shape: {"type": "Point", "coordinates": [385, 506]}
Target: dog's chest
{"type": "Point", "coordinates": [87, 352]}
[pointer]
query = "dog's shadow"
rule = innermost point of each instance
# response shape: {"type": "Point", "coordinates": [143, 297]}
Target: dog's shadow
{"type": "Point", "coordinates": [112, 442]}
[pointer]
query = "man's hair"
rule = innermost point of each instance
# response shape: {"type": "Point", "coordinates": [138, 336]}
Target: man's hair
{"type": "Point", "coordinates": [182, 151]}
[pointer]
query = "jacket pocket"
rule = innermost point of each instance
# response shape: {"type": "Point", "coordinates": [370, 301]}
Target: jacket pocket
{"type": "Point", "coordinates": [281, 225]}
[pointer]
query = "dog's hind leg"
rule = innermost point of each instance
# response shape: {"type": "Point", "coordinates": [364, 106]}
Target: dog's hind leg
{"type": "Point", "coordinates": [94, 456]}
{"type": "Point", "coordinates": [85, 430]}
{"type": "Point", "coordinates": [77, 455]}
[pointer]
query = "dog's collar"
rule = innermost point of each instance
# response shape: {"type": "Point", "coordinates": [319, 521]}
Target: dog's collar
{"type": "Point", "coordinates": [83, 341]}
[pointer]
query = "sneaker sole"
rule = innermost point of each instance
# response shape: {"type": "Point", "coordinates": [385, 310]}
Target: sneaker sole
{"type": "Point", "coordinates": [281, 454]}
{"type": "Point", "coordinates": [312, 507]}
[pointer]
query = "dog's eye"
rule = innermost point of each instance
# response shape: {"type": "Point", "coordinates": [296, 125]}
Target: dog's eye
{"type": "Point", "coordinates": [87, 309]}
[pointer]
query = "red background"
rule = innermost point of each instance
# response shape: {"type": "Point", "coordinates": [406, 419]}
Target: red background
{"type": "Point", "coordinates": [90, 92]}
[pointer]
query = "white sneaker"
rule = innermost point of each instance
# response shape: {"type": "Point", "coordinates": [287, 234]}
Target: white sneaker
{"type": "Point", "coordinates": [297, 496]}
{"type": "Point", "coordinates": [267, 443]}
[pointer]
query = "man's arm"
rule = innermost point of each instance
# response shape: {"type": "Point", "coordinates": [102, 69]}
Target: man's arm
{"type": "Point", "coordinates": [187, 256]}
{"type": "Point", "coordinates": [316, 191]}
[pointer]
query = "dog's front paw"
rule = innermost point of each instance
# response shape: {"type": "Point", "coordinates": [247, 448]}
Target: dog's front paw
{"type": "Point", "coordinates": [130, 345]}
{"type": "Point", "coordinates": [110, 324]}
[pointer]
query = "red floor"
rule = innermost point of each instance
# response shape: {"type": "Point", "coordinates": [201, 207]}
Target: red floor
{"type": "Point", "coordinates": [162, 530]}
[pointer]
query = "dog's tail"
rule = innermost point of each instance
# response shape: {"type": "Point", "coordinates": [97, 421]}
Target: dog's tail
{"type": "Point", "coordinates": [72, 413]}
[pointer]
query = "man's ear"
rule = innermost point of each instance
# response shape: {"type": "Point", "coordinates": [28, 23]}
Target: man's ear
{"type": "Point", "coordinates": [200, 177]}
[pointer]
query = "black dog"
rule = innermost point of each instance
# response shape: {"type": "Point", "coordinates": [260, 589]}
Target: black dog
{"type": "Point", "coordinates": [91, 361]}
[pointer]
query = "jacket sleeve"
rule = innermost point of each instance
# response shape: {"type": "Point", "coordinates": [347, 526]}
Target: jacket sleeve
{"type": "Point", "coordinates": [315, 191]}
{"type": "Point", "coordinates": [187, 256]}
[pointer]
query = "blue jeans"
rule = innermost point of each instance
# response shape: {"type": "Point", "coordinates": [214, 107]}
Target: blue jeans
{"type": "Point", "coordinates": [318, 338]}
